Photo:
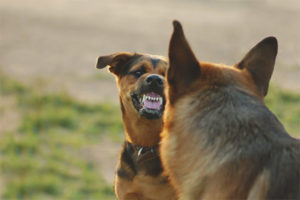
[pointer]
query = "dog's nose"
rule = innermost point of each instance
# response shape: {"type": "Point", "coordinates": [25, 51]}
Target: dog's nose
{"type": "Point", "coordinates": [154, 80]}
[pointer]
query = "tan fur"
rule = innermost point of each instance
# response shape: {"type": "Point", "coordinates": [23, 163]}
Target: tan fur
{"type": "Point", "coordinates": [143, 188]}
{"type": "Point", "coordinates": [260, 187]}
{"type": "Point", "coordinates": [138, 130]}
{"type": "Point", "coordinates": [219, 140]}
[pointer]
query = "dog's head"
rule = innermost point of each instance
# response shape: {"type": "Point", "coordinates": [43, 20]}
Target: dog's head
{"type": "Point", "coordinates": [186, 75]}
{"type": "Point", "coordinates": [140, 78]}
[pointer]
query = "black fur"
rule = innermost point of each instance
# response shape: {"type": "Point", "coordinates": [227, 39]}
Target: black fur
{"type": "Point", "coordinates": [127, 168]}
{"type": "Point", "coordinates": [131, 165]}
{"type": "Point", "coordinates": [127, 66]}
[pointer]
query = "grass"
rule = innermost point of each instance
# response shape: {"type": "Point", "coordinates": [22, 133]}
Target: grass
{"type": "Point", "coordinates": [43, 159]}
{"type": "Point", "coordinates": [286, 106]}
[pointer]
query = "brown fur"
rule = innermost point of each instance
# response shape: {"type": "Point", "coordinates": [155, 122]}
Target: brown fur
{"type": "Point", "coordinates": [137, 180]}
{"type": "Point", "coordinates": [219, 140]}
{"type": "Point", "coordinates": [143, 188]}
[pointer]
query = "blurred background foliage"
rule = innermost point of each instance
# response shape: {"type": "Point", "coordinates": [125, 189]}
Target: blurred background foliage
{"type": "Point", "coordinates": [44, 158]}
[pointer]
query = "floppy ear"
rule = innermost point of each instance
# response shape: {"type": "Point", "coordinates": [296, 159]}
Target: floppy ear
{"type": "Point", "coordinates": [259, 61]}
{"type": "Point", "coordinates": [116, 62]}
{"type": "Point", "coordinates": [183, 66]}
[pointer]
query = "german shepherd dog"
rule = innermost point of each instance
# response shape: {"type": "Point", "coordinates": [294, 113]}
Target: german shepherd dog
{"type": "Point", "coordinates": [140, 80]}
{"type": "Point", "coordinates": [219, 140]}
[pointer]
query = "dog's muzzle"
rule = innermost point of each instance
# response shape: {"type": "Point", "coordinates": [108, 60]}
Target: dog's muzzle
{"type": "Point", "coordinates": [149, 99]}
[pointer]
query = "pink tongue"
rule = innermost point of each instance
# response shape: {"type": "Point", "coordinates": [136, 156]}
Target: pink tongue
{"type": "Point", "coordinates": [155, 105]}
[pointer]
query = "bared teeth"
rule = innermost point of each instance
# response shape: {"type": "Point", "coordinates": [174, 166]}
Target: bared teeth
{"type": "Point", "coordinates": [146, 97]}
{"type": "Point", "coordinates": [160, 100]}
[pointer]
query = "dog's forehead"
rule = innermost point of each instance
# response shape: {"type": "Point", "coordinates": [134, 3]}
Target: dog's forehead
{"type": "Point", "coordinates": [153, 59]}
{"type": "Point", "coordinates": [156, 59]}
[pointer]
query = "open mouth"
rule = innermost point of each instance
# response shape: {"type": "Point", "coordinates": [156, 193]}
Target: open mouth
{"type": "Point", "coordinates": [150, 105]}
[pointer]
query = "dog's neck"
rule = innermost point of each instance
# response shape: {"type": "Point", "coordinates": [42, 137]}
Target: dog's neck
{"type": "Point", "coordinates": [143, 132]}
{"type": "Point", "coordinates": [229, 115]}
{"type": "Point", "coordinates": [142, 154]}
{"type": "Point", "coordinates": [139, 130]}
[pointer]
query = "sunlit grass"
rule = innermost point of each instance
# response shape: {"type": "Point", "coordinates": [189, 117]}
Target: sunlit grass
{"type": "Point", "coordinates": [43, 158]}
{"type": "Point", "coordinates": [286, 106]}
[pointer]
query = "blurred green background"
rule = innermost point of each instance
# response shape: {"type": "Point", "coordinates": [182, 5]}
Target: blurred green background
{"type": "Point", "coordinates": [60, 123]}
{"type": "Point", "coordinates": [45, 155]}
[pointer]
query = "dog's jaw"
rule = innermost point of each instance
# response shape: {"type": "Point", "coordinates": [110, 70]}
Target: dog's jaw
{"type": "Point", "coordinates": [149, 105]}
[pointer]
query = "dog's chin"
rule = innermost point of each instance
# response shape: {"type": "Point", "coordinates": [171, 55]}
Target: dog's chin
{"type": "Point", "coordinates": [149, 105]}
{"type": "Point", "coordinates": [150, 114]}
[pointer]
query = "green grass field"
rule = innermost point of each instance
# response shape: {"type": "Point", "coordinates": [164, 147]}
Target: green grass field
{"type": "Point", "coordinates": [42, 158]}
{"type": "Point", "coordinates": [286, 106]}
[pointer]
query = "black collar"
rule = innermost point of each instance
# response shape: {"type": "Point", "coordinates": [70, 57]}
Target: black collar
{"type": "Point", "coordinates": [141, 154]}
{"type": "Point", "coordinates": [137, 158]}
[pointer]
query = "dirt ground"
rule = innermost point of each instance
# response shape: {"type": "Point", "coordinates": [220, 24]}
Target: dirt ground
{"type": "Point", "coordinates": [57, 42]}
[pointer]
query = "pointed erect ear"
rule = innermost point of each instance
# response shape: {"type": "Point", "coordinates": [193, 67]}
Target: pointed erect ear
{"type": "Point", "coordinates": [259, 61]}
{"type": "Point", "coordinates": [183, 65]}
{"type": "Point", "coordinates": [116, 61]}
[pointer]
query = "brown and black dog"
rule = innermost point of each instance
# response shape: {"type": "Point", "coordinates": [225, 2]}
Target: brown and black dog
{"type": "Point", "coordinates": [140, 80]}
{"type": "Point", "coordinates": [219, 140]}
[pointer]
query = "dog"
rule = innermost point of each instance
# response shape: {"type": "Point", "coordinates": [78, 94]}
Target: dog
{"type": "Point", "coordinates": [140, 80]}
{"type": "Point", "coordinates": [219, 140]}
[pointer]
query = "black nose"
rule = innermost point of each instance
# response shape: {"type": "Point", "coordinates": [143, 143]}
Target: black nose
{"type": "Point", "coordinates": [154, 80]}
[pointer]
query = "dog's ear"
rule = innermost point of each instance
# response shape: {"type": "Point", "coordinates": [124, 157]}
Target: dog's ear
{"type": "Point", "coordinates": [115, 61]}
{"type": "Point", "coordinates": [183, 66]}
{"type": "Point", "coordinates": [259, 61]}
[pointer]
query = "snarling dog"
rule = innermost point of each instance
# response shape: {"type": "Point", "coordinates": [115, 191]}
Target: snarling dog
{"type": "Point", "coordinates": [140, 80]}
{"type": "Point", "coordinates": [219, 140]}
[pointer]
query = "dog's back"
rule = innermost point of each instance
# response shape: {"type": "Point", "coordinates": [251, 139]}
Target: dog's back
{"type": "Point", "coordinates": [219, 140]}
{"type": "Point", "coordinates": [232, 147]}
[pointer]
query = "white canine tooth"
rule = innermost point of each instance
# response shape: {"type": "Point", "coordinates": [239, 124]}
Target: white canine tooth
{"type": "Point", "coordinates": [160, 100]}
{"type": "Point", "coordinates": [144, 97]}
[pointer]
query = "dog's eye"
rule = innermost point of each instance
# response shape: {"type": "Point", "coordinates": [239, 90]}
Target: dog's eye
{"type": "Point", "coordinates": [138, 73]}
